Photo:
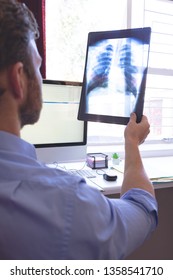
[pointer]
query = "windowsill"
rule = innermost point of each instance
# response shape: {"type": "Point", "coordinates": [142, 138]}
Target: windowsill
{"type": "Point", "coordinates": [147, 150]}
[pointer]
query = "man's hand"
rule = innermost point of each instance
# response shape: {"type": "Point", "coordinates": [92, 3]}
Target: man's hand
{"type": "Point", "coordinates": [136, 132]}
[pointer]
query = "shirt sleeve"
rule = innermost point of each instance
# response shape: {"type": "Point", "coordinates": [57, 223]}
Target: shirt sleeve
{"type": "Point", "coordinates": [106, 228]}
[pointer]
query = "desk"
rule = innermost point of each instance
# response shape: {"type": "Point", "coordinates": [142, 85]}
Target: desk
{"type": "Point", "coordinates": [155, 167]}
{"type": "Point", "coordinates": [98, 182]}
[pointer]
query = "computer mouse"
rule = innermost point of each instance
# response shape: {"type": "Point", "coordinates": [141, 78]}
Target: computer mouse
{"type": "Point", "coordinates": [110, 177]}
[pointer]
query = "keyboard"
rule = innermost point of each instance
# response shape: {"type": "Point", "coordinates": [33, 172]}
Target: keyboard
{"type": "Point", "coordinates": [84, 173]}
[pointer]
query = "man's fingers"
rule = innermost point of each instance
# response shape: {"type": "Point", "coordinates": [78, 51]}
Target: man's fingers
{"type": "Point", "coordinates": [133, 117]}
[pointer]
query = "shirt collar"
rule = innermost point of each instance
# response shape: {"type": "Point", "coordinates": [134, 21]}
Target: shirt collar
{"type": "Point", "coordinates": [13, 143]}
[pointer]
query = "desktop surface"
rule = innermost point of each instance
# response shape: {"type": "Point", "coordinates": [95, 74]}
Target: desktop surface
{"type": "Point", "coordinates": [159, 170]}
{"type": "Point", "coordinates": [98, 182]}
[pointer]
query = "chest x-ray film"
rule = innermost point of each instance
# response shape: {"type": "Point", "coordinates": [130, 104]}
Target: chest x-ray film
{"type": "Point", "coordinates": [115, 75]}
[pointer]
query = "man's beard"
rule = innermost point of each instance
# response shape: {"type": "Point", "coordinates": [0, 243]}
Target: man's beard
{"type": "Point", "coordinates": [29, 112]}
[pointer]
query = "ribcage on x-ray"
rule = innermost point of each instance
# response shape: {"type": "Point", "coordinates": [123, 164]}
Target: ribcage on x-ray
{"type": "Point", "coordinates": [123, 58]}
{"type": "Point", "coordinates": [100, 72]}
{"type": "Point", "coordinates": [127, 64]}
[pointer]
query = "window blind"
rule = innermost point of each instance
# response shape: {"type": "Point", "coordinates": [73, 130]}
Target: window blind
{"type": "Point", "coordinates": [159, 90]}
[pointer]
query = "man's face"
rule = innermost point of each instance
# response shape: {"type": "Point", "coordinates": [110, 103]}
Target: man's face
{"type": "Point", "coordinates": [31, 107]}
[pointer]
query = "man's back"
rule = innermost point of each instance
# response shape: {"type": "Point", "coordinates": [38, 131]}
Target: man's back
{"type": "Point", "coordinates": [49, 214]}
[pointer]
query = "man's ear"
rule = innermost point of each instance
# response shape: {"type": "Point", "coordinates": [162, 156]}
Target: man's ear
{"type": "Point", "coordinates": [17, 80]}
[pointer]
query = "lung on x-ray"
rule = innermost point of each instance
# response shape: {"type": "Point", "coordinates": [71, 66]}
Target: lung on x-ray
{"type": "Point", "coordinates": [115, 75]}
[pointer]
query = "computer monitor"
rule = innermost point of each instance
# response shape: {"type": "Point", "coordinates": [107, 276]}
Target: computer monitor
{"type": "Point", "coordinates": [58, 135]}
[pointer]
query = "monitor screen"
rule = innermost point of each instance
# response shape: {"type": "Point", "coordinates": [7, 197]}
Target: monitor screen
{"type": "Point", "coordinates": [58, 135]}
{"type": "Point", "coordinates": [115, 75]}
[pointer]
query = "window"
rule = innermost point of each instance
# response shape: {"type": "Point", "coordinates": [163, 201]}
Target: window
{"type": "Point", "coordinates": [67, 25]}
{"type": "Point", "coordinates": [159, 92]}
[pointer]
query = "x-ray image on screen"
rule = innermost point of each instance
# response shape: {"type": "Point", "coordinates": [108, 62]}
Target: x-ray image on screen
{"type": "Point", "coordinates": [115, 74]}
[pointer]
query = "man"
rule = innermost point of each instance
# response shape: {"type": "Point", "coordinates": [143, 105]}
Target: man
{"type": "Point", "coordinates": [47, 213]}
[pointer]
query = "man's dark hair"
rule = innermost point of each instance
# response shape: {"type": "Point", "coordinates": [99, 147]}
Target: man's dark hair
{"type": "Point", "coordinates": [17, 27]}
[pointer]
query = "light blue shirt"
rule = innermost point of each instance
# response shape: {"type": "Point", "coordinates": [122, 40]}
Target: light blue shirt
{"type": "Point", "coordinates": [46, 213]}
